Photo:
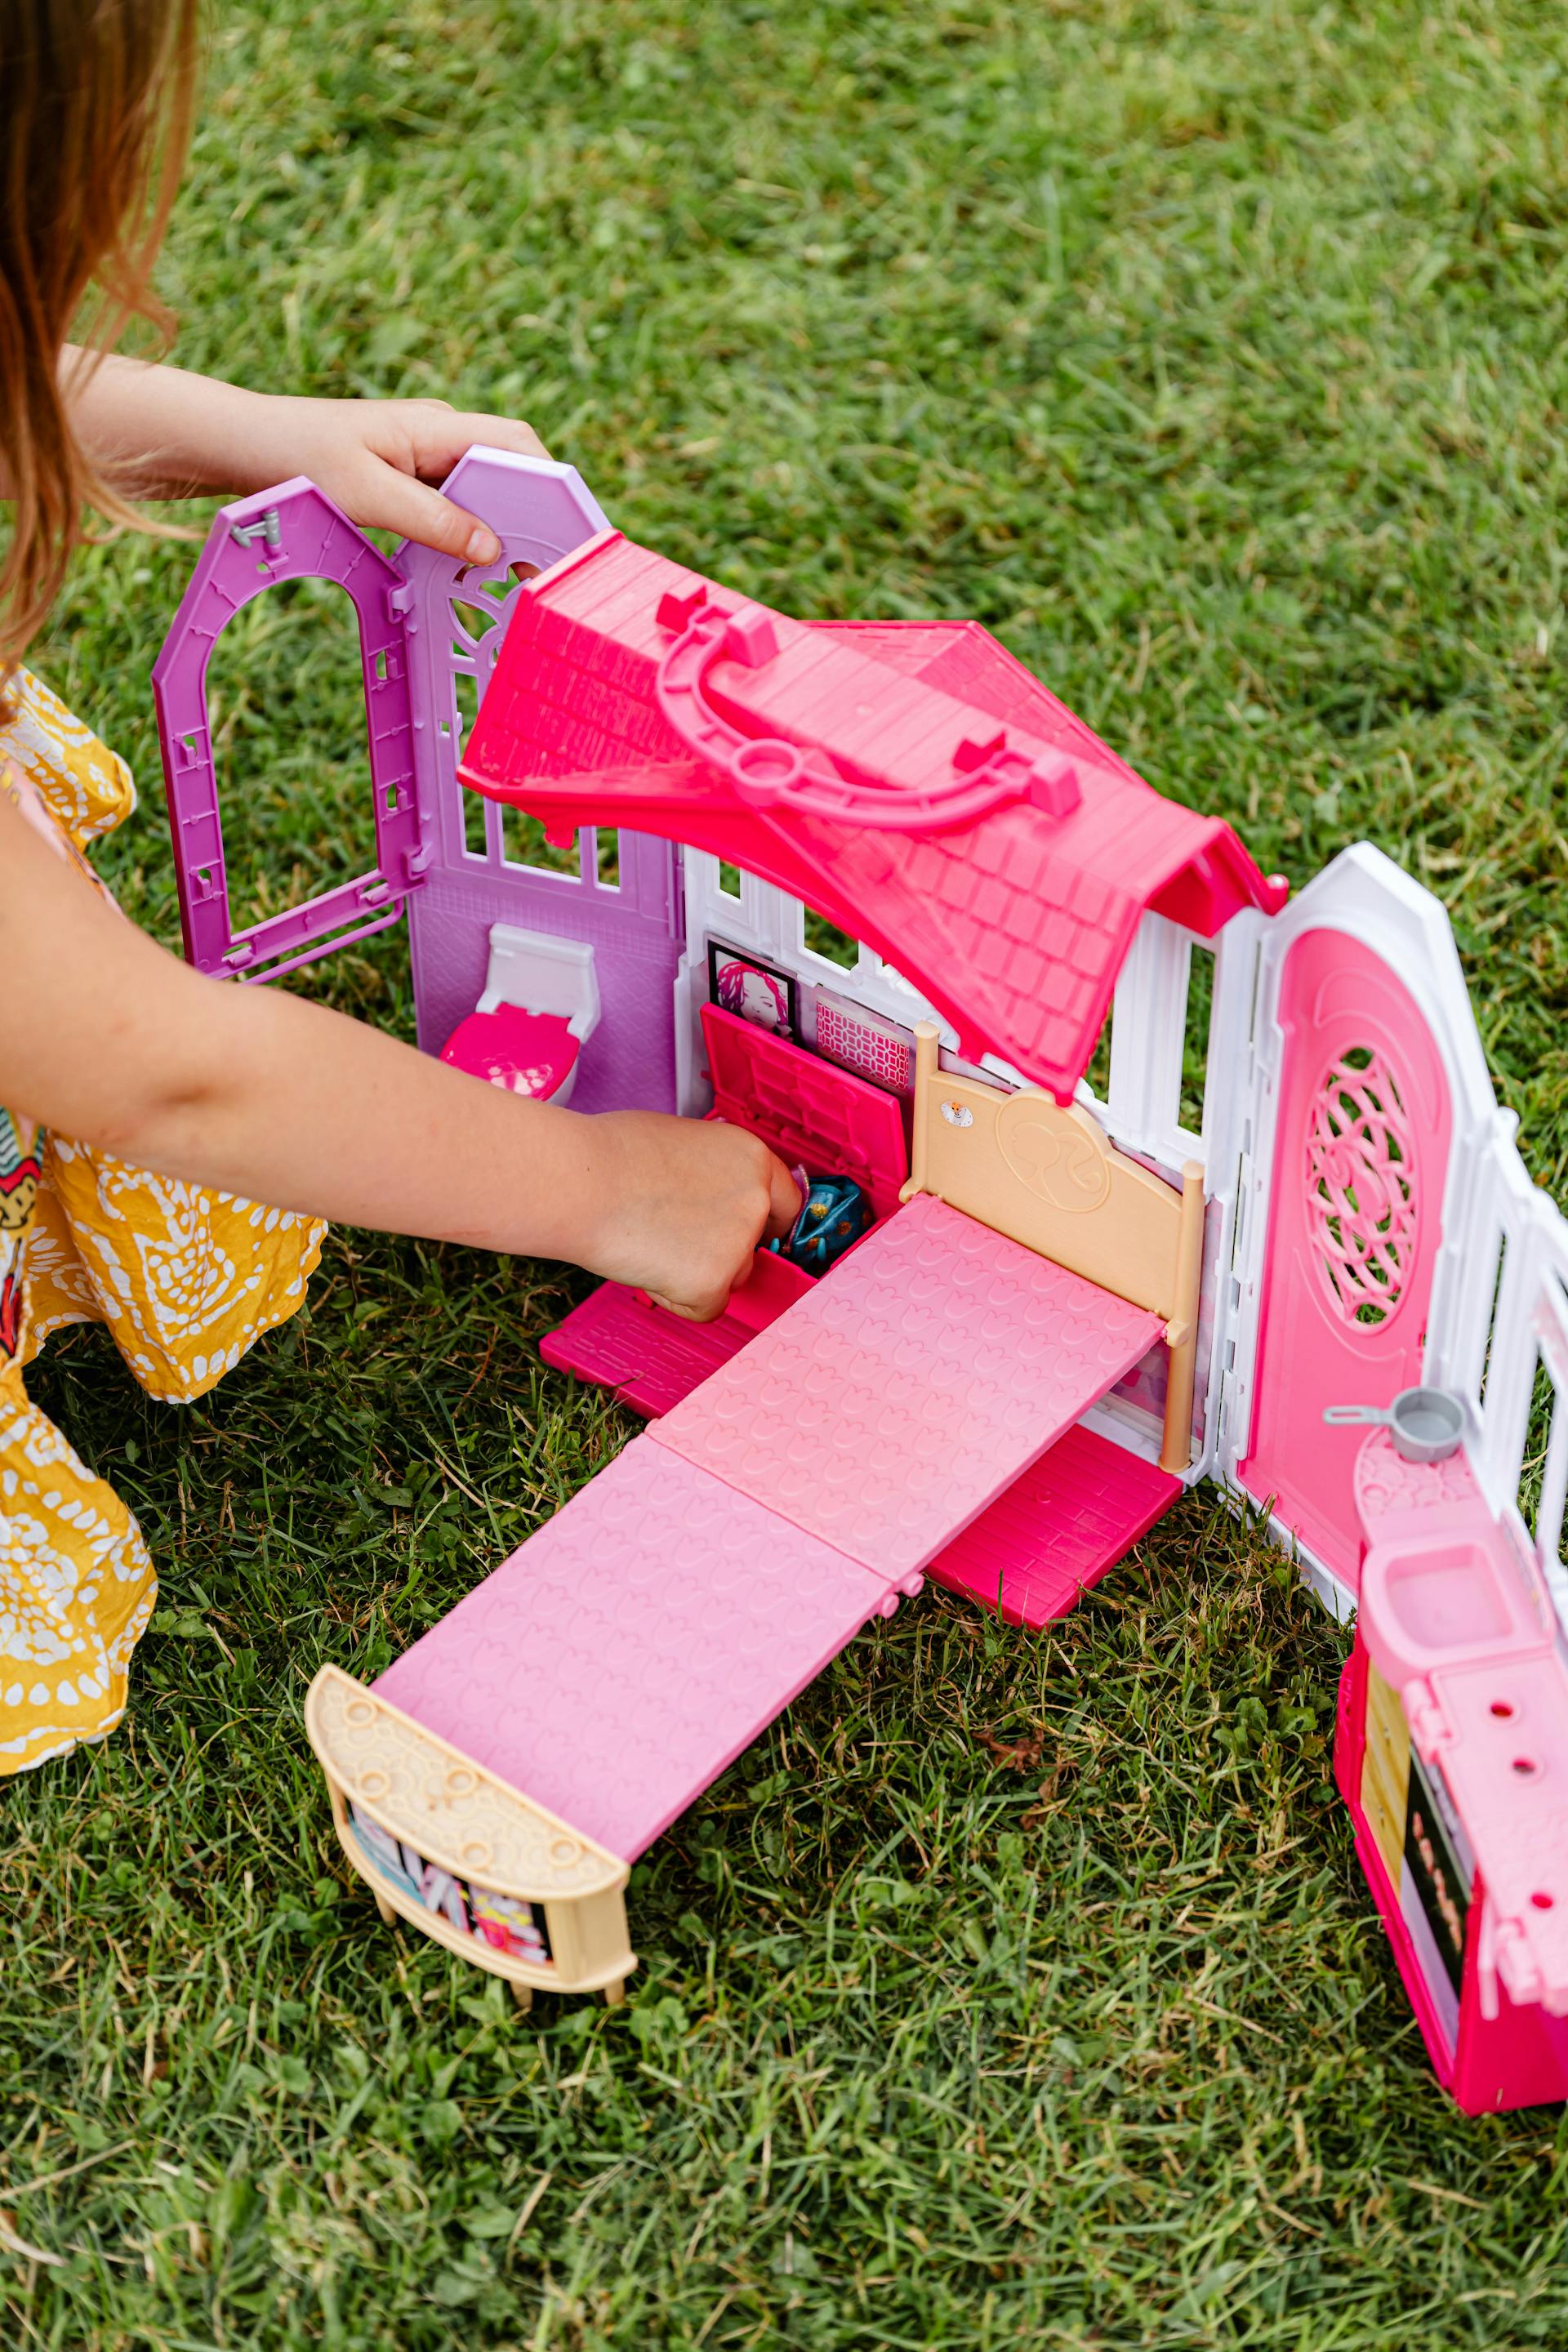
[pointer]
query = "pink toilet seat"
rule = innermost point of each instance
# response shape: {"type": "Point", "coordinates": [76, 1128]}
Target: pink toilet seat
{"type": "Point", "coordinates": [528, 1053]}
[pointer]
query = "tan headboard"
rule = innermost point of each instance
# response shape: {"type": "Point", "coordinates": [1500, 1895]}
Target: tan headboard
{"type": "Point", "coordinates": [1050, 1179]}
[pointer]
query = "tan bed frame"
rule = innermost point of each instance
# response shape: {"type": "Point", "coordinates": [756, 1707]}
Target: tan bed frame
{"type": "Point", "coordinates": [464, 1820]}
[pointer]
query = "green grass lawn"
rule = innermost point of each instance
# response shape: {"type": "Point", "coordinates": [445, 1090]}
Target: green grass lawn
{"type": "Point", "coordinates": [1213, 355]}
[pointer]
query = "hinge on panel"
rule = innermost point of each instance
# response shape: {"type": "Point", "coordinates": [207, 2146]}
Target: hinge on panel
{"type": "Point", "coordinates": [1427, 1718]}
{"type": "Point", "coordinates": [267, 528]}
{"type": "Point", "coordinates": [399, 600]}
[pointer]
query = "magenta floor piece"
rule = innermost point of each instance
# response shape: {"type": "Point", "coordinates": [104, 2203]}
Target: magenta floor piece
{"type": "Point", "coordinates": [651, 1359]}
{"type": "Point", "coordinates": [630, 1651]}
{"type": "Point", "coordinates": [919, 1376]}
{"type": "Point", "coordinates": [648, 1358]}
{"type": "Point", "coordinates": [1051, 1535]}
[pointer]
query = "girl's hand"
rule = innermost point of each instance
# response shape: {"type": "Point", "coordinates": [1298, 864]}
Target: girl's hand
{"type": "Point", "coordinates": [689, 1200]}
{"type": "Point", "coordinates": [381, 460]}
{"type": "Point", "coordinates": [163, 433]}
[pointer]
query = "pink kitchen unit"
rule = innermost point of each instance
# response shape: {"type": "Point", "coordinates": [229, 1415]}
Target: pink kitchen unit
{"type": "Point", "coordinates": [1050, 1307]}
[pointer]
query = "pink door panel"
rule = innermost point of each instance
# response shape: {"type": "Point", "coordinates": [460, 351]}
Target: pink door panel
{"type": "Point", "coordinates": [1361, 1156]}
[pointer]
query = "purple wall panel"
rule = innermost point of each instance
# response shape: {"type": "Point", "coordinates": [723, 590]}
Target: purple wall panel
{"type": "Point", "coordinates": [628, 1064]}
{"type": "Point", "coordinates": [431, 628]}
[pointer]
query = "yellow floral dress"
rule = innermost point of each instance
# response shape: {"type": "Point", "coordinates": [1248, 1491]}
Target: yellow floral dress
{"type": "Point", "coordinates": [185, 1280]}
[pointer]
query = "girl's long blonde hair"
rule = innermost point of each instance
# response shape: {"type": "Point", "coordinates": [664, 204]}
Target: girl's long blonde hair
{"type": "Point", "coordinates": [95, 112]}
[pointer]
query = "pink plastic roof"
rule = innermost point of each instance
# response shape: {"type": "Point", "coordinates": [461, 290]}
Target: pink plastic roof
{"type": "Point", "coordinates": [909, 780]}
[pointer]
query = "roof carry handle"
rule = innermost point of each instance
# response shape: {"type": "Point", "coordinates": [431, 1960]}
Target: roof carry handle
{"type": "Point", "coordinates": [768, 773]}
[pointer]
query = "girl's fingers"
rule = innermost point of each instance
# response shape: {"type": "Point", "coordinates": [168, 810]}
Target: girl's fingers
{"type": "Point", "coordinates": [459, 431]}
{"type": "Point", "coordinates": [703, 1310]}
{"type": "Point", "coordinates": [785, 1202]}
{"type": "Point", "coordinates": [404, 497]}
{"type": "Point", "coordinates": [394, 501]}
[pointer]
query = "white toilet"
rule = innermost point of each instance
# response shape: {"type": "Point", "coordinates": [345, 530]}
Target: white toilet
{"type": "Point", "coordinates": [539, 1007]}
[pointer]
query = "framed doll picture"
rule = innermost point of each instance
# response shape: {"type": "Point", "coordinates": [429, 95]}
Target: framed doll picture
{"type": "Point", "coordinates": [757, 992]}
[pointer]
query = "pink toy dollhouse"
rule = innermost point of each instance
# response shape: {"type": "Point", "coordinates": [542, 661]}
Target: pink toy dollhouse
{"type": "Point", "coordinates": [1066, 1308]}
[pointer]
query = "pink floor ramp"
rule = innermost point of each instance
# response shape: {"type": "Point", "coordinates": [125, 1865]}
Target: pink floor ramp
{"type": "Point", "coordinates": [627, 1653]}
{"type": "Point", "coordinates": [899, 1398]}
{"type": "Point", "coordinates": [1031, 1555]}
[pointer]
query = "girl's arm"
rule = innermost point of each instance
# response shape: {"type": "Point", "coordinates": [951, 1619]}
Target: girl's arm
{"type": "Point", "coordinates": [108, 1039]}
{"type": "Point", "coordinates": [161, 432]}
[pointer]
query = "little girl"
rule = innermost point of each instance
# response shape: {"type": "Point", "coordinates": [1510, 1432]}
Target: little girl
{"type": "Point", "coordinates": [149, 1111]}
